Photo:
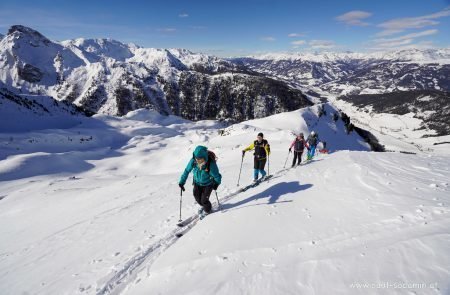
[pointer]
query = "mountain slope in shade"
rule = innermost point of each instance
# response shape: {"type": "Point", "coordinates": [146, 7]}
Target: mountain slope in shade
{"type": "Point", "coordinates": [27, 112]}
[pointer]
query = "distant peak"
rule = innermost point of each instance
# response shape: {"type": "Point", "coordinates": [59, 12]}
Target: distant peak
{"type": "Point", "coordinates": [26, 31]}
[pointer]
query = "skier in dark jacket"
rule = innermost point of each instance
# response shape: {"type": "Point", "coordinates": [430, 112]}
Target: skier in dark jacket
{"type": "Point", "coordinates": [262, 151]}
{"type": "Point", "coordinates": [299, 145]}
{"type": "Point", "coordinates": [311, 144]}
{"type": "Point", "coordinates": [206, 177]}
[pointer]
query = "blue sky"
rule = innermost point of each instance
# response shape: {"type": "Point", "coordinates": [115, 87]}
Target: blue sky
{"type": "Point", "coordinates": [230, 28]}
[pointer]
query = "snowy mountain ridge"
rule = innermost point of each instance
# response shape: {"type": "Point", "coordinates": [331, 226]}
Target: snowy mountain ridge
{"type": "Point", "coordinates": [440, 56]}
{"type": "Point", "coordinates": [109, 77]}
{"type": "Point", "coordinates": [357, 73]}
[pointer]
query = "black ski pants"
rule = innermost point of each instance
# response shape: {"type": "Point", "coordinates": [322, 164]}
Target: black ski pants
{"type": "Point", "coordinates": [297, 154]}
{"type": "Point", "coordinates": [202, 194]}
{"type": "Point", "coordinates": [259, 163]}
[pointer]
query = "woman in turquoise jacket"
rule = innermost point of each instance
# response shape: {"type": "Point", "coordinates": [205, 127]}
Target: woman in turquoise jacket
{"type": "Point", "coordinates": [206, 176]}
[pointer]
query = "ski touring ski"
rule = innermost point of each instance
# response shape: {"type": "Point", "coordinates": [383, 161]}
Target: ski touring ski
{"type": "Point", "coordinates": [187, 224]}
{"type": "Point", "coordinates": [256, 183]}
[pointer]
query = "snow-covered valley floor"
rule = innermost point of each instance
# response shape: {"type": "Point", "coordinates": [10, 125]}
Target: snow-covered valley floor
{"type": "Point", "coordinates": [92, 210]}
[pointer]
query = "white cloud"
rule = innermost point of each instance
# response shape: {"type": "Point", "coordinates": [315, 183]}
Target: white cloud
{"type": "Point", "coordinates": [354, 18]}
{"type": "Point", "coordinates": [402, 46]}
{"type": "Point", "coordinates": [182, 15]}
{"type": "Point", "coordinates": [198, 27]}
{"type": "Point", "coordinates": [167, 30]}
{"type": "Point", "coordinates": [322, 44]}
{"type": "Point", "coordinates": [410, 36]}
{"type": "Point", "coordinates": [399, 25]}
{"type": "Point", "coordinates": [294, 35]}
{"type": "Point", "coordinates": [395, 43]}
{"type": "Point", "coordinates": [268, 39]}
{"type": "Point", "coordinates": [298, 42]}
{"type": "Point", "coordinates": [402, 40]}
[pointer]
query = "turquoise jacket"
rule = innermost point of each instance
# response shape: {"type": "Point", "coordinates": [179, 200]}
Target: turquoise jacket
{"type": "Point", "coordinates": [201, 176]}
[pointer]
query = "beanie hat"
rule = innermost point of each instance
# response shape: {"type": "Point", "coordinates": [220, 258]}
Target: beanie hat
{"type": "Point", "coordinates": [260, 134]}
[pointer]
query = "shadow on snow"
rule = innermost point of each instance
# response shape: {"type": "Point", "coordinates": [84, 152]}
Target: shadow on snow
{"type": "Point", "coordinates": [273, 194]}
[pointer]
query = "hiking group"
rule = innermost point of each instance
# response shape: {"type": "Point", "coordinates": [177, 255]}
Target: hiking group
{"type": "Point", "coordinates": [299, 144]}
{"type": "Point", "coordinates": [206, 175]}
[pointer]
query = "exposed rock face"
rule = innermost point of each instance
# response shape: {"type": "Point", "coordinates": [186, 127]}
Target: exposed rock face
{"type": "Point", "coordinates": [30, 73]}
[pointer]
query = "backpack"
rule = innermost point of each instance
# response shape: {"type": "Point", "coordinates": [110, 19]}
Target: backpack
{"type": "Point", "coordinates": [312, 140]}
{"type": "Point", "coordinates": [211, 158]}
{"type": "Point", "coordinates": [259, 146]}
{"type": "Point", "coordinates": [299, 144]}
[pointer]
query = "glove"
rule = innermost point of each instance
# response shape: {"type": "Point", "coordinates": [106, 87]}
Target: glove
{"type": "Point", "coordinates": [243, 153]}
{"type": "Point", "coordinates": [290, 149]}
{"type": "Point", "coordinates": [215, 186]}
{"type": "Point", "coordinates": [182, 187]}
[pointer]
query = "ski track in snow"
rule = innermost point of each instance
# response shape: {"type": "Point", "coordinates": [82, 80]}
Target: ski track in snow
{"type": "Point", "coordinates": [128, 272]}
{"type": "Point", "coordinates": [406, 228]}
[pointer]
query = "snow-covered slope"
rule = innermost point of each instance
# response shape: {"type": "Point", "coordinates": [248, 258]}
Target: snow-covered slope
{"type": "Point", "coordinates": [92, 210]}
{"type": "Point", "coordinates": [108, 77]}
{"type": "Point", "coordinates": [348, 223]}
{"type": "Point", "coordinates": [102, 47]}
{"type": "Point", "coordinates": [22, 113]}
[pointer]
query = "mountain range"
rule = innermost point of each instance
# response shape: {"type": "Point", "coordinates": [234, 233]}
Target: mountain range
{"type": "Point", "coordinates": [401, 82]}
{"type": "Point", "coordinates": [109, 77]}
{"type": "Point", "coordinates": [106, 76]}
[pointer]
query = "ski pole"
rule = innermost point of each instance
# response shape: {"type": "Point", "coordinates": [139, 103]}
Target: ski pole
{"type": "Point", "coordinates": [217, 197]}
{"type": "Point", "coordinates": [240, 170]}
{"type": "Point", "coordinates": [268, 164]}
{"type": "Point", "coordinates": [181, 197]}
{"type": "Point", "coordinates": [286, 160]}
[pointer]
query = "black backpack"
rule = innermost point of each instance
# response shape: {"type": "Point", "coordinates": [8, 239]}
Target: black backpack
{"type": "Point", "coordinates": [299, 144]}
{"type": "Point", "coordinates": [313, 139]}
{"type": "Point", "coordinates": [258, 146]}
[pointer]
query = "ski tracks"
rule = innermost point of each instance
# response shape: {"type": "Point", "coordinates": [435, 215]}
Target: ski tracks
{"type": "Point", "coordinates": [118, 282]}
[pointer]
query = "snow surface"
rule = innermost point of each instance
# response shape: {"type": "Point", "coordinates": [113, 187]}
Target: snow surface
{"type": "Point", "coordinates": [98, 215]}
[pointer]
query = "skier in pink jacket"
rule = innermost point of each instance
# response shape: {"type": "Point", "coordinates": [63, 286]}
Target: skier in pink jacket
{"type": "Point", "coordinates": [298, 144]}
